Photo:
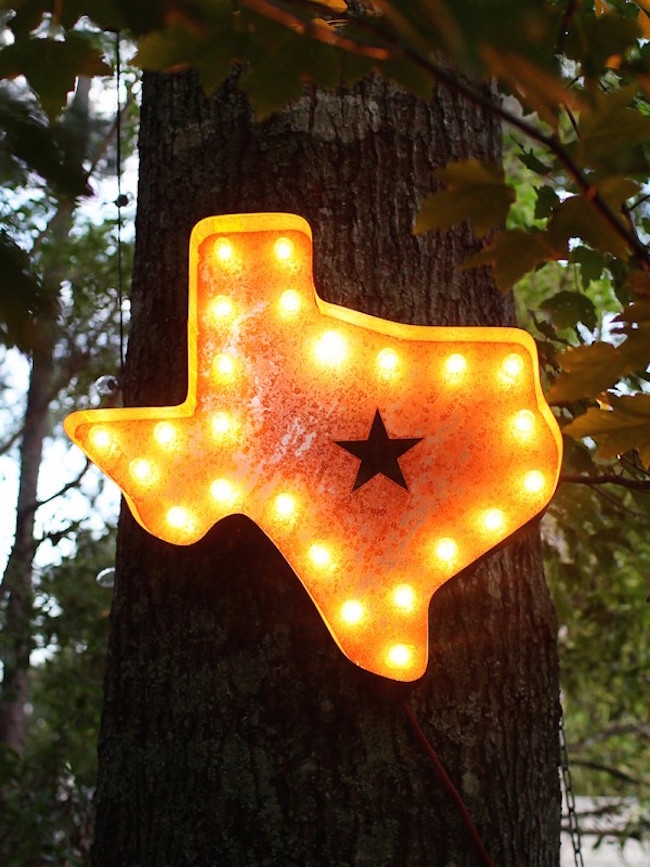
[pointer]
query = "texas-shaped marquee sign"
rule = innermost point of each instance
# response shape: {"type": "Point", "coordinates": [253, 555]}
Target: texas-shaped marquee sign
{"type": "Point", "coordinates": [380, 458]}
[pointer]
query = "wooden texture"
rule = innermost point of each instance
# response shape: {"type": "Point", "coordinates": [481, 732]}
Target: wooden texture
{"type": "Point", "coordinates": [234, 730]}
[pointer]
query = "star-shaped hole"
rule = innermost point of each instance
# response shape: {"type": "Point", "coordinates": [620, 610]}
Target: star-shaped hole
{"type": "Point", "coordinates": [379, 454]}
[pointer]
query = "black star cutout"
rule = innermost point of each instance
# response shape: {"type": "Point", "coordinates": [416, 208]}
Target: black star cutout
{"type": "Point", "coordinates": [378, 454]}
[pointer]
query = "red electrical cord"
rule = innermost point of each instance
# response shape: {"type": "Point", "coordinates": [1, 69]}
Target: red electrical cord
{"type": "Point", "coordinates": [453, 791]}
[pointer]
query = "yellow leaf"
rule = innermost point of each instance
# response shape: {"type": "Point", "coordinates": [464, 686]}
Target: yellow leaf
{"type": "Point", "coordinates": [644, 20]}
{"type": "Point", "coordinates": [600, 7]}
{"type": "Point", "coordinates": [335, 5]}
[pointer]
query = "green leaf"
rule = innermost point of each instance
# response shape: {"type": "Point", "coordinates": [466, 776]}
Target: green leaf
{"type": "Point", "coordinates": [590, 370]}
{"type": "Point", "coordinates": [575, 217]}
{"type": "Point", "coordinates": [514, 253]}
{"type": "Point", "coordinates": [52, 66]}
{"type": "Point", "coordinates": [610, 131]}
{"type": "Point", "coordinates": [476, 191]}
{"type": "Point", "coordinates": [592, 41]}
{"type": "Point", "coordinates": [531, 162]}
{"type": "Point", "coordinates": [22, 297]}
{"type": "Point", "coordinates": [566, 309]}
{"type": "Point", "coordinates": [31, 144]}
{"type": "Point", "coordinates": [591, 264]}
{"type": "Point", "coordinates": [624, 427]}
{"type": "Point", "coordinates": [547, 199]}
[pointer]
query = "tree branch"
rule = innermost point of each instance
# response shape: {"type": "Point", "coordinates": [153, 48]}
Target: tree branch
{"type": "Point", "coordinates": [9, 442]}
{"type": "Point", "coordinates": [607, 479]}
{"type": "Point", "coordinates": [613, 771]}
{"type": "Point", "coordinates": [323, 34]}
{"type": "Point", "coordinates": [74, 483]}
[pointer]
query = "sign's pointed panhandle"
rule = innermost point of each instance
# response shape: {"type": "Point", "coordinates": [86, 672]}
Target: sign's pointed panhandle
{"type": "Point", "coordinates": [380, 458]}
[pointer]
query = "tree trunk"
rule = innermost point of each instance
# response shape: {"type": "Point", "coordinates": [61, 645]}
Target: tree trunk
{"type": "Point", "coordinates": [234, 730]}
{"type": "Point", "coordinates": [16, 585]}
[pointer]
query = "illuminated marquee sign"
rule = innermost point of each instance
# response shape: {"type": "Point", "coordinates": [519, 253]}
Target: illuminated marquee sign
{"type": "Point", "coordinates": [380, 458]}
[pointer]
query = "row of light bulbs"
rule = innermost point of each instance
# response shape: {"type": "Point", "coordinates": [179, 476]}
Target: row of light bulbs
{"type": "Point", "coordinates": [331, 349]}
{"type": "Point", "coordinates": [168, 436]}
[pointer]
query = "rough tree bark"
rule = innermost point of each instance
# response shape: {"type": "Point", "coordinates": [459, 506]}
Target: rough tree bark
{"type": "Point", "coordinates": [234, 731]}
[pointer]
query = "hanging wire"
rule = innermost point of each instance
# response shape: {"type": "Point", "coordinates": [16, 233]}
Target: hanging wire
{"type": "Point", "coordinates": [570, 798]}
{"type": "Point", "coordinates": [451, 788]}
{"type": "Point", "coordinates": [121, 199]}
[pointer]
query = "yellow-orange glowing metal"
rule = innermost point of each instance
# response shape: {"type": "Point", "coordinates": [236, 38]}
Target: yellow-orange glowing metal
{"type": "Point", "coordinates": [380, 458]}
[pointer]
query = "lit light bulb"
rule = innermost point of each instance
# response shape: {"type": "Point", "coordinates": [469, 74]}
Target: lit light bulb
{"type": "Point", "coordinates": [387, 361]}
{"type": "Point", "coordinates": [100, 438]}
{"type": "Point", "coordinates": [285, 505]}
{"type": "Point", "coordinates": [455, 366]}
{"type": "Point", "coordinates": [399, 656]}
{"type": "Point", "coordinates": [223, 367]}
{"type": "Point", "coordinates": [446, 550]}
{"type": "Point", "coordinates": [319, 555]}
{"type": "Point", "coordinates": [512, 366]}
{"type": "Point", "coordinates": [524, 423]}
{"type": "Point", "coordinates": [283, 249]}
{"type": "Point", "coordinates": [352, 612]}
{"type": "Point", "coordinates": [179, 518]}
{"type": "Point", "coordinates": [221, 308]}
{"type": "Point", "coordinates": [290, 302]}
{"type": "Point", "coordinates": [166, 434]}
{"type": "Point", "coordinates": [330, 348]}
{"type": "Point", "coordinates": [493, 520]}
{"type": "Point", "coordinates": [221, 424]}
{"type": "Point", "coordinates": [142, 470]}
{"type": "Point", "coordinates": [404, 597]}
{"type": "Point", "coordinates": [534, 482]}
{"type": "Point", "coordinates": [223, 250]}
{"type": "Point", "coordinates": [223, 491]}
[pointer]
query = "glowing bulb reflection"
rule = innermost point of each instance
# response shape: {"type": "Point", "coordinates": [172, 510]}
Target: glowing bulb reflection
{"type": "Point", "coordinates": [388, 361]}
{"type": "Point", "coordinates": [352, 612]}
{"type": "Point", "coordinates": [290, 302]}
{"type": "Point", "coordinates": [512, 366]}
{"type": "Point", "coordinates": [165, 434]}
{"type": "Point", "coordinates": [179, 518]}
{"type": "Point", "coordinates": [319, 555]}
{"type": "Point", "coordinates": [404, 597]}
{"type": "Point", "coordinates": [223, 367]}
{"type": "Point", "coordinates": [223, 250]}
{"type": "Point", "coordinates": [524, 423]}
{"type": "Point", "coordinates": [221, 424]}
{"type": "Point", "coordinates": [221, 307]}
{"type": "Point", "coordinates": [142, 470]}
{"type": "Point", "coordinates": [493, 520]}
{"type": "Point", "coordinates": [534, 482]}
{"type": "Point", "coordinates": [446, 550]}
{"type": "Point", "coordinates": [399, 656]}
{"type": "Point", "coordinates": [100, 438]}
{"type": "Point", "coordinates": [455, 366]}
{"type": "Point", "coordinates": [223, 491]}
{"type": "Point", "coordinates": [285, 505]}
{"type": "Point", "coordinates": [283, 249]}
{"type": "Point", "coordinates": [330, 348]}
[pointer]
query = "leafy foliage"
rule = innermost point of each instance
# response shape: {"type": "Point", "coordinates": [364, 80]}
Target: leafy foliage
{"type": "Point", "coordinates": [566, 227]}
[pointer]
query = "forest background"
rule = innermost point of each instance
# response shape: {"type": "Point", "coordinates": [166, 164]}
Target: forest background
{"type": "Point", "coordinates": [565, 224]}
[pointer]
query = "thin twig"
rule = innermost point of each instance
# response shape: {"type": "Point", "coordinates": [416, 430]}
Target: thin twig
{"type": "Point", "coordinates": [607, 479]}
{"type": "Point", "coordinates": [615, 772]}
{"type": "Point", "coordinates": [74, 483]}
{"type": "Point", "coordinates": [9, 442]}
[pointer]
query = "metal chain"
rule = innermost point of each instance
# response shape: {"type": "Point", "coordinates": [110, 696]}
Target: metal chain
{"type": "Point", "coordinates": [570, 798]}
